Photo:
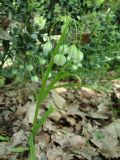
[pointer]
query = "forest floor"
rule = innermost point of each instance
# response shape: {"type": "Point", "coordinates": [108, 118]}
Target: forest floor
{"type": "Point", "coordinates": [84, 126]}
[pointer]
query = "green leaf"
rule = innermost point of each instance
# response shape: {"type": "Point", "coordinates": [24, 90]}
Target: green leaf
{"type": "Point", "coordinates": [71, 86]}
{"type": "Point", "coordinates": [42, 120]}
{"type": "Point", "coordinates": [40, 21]}
{"type": "Point", "coordinates": [18, 149]}
{"type": "Point", "coordinates": [2, 138]}
{"type": "Point", "coordinates": [32, 147]}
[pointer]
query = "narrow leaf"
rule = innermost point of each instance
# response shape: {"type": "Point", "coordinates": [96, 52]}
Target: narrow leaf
{"type": "Point", "coordinates": [72, 86]}
{"type": "Point", "coordinates": [2, 138]}
{"type": "Point", "coordinates": [18, 149]}
{"type": "Point", "coordinates": [32, 147]}
{"type": "Point", "coordinates": [42, 120]}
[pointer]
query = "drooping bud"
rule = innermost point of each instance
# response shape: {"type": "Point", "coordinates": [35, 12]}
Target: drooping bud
{"type": "Point", "coordinates": [72, 51]}
{"type": "Point", "coordinates": [78, 57]}
{"type": "Point", "coordinates": [47, 47]}
{"type": "Point", "coordinates": [59, 59]}
{"type": "Point", "coordinates": [34, 79]}
{"type": "Point", "coordinates": [63, 49]}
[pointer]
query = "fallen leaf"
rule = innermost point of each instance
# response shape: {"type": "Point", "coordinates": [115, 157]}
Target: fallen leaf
{"type": "Point", "coordinates": [87, 152]}
{"type": "Point", "coordinates": [30, 112]}
{"type": "Point", "coordinates": [71, 120]}
{"type": "Point", "coordinates": [56, 153]}
{"type": "Point", "coordinates": [103, 112]}
{"type": "Point", "coordinates": [18, 138]}
{"type": "Point", "coordinates": [107, 140]}
{"type": "Point", "coordinates": [58, 100]}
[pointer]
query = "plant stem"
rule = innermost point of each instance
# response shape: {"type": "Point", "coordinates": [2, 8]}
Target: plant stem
{"type": "Point", "coordinates": [42, 92]}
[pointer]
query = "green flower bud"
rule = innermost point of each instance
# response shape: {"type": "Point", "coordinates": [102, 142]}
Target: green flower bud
{"type": "Point", "coordinates": [72, 51]}
{"type": "Point", "coordinates": [47, 47]}
{"type": "Point", "coordinates": [42, 61]}
{"type": "Point", "coordinates": [75, 54]}
{"type": "Point", "coordinates": [63, 49]}
{"type": "Point", "coordinates": [34, 79]}
{"type": "Point", "coordinates": [59, 59]}
{"type": "Point", "coordinates": [78, 57]}
{"type": "Point", "coordinates": [68, 58]}
{"type": "Point", "coordinates": [74, 67]}
{"type": "Point", "coordinates": [29, 67]}
{"type": "Point", "coordinates": [79, 65]}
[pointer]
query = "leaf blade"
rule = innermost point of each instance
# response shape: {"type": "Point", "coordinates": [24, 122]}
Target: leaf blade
{"type": "Point", "coordinates": [42, 120]}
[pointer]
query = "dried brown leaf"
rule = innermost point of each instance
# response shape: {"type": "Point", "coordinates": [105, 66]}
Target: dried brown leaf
{"type": "Point", "coordinates": [58, 100]}
{"type": "Point", "coordinates": [107, 140]}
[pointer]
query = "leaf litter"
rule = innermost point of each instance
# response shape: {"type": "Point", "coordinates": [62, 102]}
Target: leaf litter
{"type": "Point", "coordinates": [82, 127]}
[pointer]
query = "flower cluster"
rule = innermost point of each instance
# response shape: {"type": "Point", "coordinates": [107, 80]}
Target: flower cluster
{"type": "Point", "coordinates": [70, 53]}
